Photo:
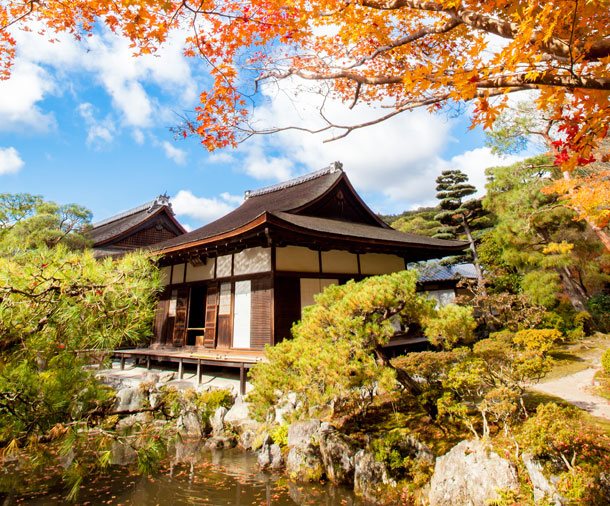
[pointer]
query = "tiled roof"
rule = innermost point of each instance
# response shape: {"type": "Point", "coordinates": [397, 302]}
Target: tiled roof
{"type": "Point", "coordinates": [447, 273]}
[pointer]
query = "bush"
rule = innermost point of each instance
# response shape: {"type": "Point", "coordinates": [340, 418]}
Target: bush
{"type": "Point", "coordinates": [452, 325]}
{"type": "Point", "coordinates": [599, 305]}
{"type": "Point", "coordinates": [606, 361]}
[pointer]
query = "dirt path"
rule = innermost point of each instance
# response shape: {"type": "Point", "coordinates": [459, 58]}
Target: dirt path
{"type": "Point", "coordinates": [573, 388]}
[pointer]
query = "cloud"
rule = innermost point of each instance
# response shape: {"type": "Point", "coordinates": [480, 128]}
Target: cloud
{"type": "Point", "coordinates": [173, 153]}
{"type": "Point", "coordinates": [10, 161]}
{"type": "Point", "coordinates": [29, 84]}
{"type": "Point", "coordinates": [99, 132]}
{"type": "Point", "coordinates": [144, 90]}
{"type": "Point", "coordinates": [232, 199]}
{"type": "Point", "coordinates": [202, 208]}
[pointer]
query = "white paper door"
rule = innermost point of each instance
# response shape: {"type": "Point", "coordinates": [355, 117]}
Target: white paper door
{"type": "Point", "coordinates": [241, 315]}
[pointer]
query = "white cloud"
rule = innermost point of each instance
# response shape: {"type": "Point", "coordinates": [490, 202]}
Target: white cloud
{"type": "Point", "coordinates": [99, 132]}
{"type": "Point", "coordinates": [138, 136]}
{"type": "Point", "coordinates": [202, 208]}
{"type": "Point", "coordinates": [29, 83]}
{"type": "Point", "coordinates": [174, 153]}
{"type": "Point", "coordinates": [10, 161]}
{"type": "Point", "coordinates": [232, 199]}
{"type": "Point", "coordinates": [474, 163]}
{"type": "Point", "coordinates": [43, 68]}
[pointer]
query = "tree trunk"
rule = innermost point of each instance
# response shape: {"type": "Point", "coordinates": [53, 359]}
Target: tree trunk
{"type": "Point", "coordinates": [573, 288]}
{"type": "Point", "coordinates": [475, 256]}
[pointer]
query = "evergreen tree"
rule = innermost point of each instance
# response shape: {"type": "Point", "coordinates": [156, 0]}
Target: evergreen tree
{"type": "Point", "coordinates": [457, 214]}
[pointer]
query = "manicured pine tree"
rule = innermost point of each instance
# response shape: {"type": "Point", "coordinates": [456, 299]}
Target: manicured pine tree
{"type": "Point", "coordinates": [453, 187]}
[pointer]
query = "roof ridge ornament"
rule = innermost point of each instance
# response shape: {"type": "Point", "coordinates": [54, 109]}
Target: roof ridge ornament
{"type": "Point", "coordinates": [160, 201]}
{"type": "Point", "coordinates": [331, 169]}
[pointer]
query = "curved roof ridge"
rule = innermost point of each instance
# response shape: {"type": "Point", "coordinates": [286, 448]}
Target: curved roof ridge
{"type": "Point", "coordinates": [160, 201]}
{"type": "Point", "coordinates": [331, 169]}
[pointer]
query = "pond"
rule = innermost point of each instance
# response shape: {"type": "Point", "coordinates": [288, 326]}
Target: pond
{"type": "Point", "coordinates": [196, 476]}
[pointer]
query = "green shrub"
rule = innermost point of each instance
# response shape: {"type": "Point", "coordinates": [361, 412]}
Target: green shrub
{"type": "Point", "coordinates": [399, 458]}
{"type": "Point", "coordinates": [279, 434]}
{"type": "Point", "coordinates": [452, 325]}
{"type": "Point", "coordinates": [606, 361]}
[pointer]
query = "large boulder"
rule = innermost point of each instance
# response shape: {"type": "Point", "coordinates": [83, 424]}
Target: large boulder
{"type": "Point", "coordinates": [239, 416]}
{"type": "Point", "coordinates": [543, 489]}
{"type": "Point", "coordinates": [189, 424]}
{"type": "Point", "coordinates": [337, 453]}
{"type": "Point", "coordinates": [370, 476]}
{"type": "Point", "coordinates": [470, 475]}
{"type": "Point", "coordinates": [285, 406]}
{"type": "Point", "coordinates": [304, 460]}
{"type": "Point", "coordinates": [129, 399]}
{"type": "Point", "coordinates": [217, 421]}
{"type": "Point", "coordinates": [270, 455]}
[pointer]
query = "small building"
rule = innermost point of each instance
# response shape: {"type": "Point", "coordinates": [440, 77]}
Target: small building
{"type": "Point", "coordinates": [442, 282]}
{"type": "Point", "coordinates": [240, 282]}
{"type": "Point", "coordinates": [140, 227]}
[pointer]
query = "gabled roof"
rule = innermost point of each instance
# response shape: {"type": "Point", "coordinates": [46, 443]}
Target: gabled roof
{"type": "Point", "coordinates": [110, 229]}
{"type": "Point", "coordinates": [322, 203]}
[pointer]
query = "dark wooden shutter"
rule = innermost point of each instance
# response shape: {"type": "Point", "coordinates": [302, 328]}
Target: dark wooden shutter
{"type": "Point", "coordinates": [211, 309]}
{"type": "Point", "coordinates": [160, 317]}
{"type": "Point", "coordinates": [180, 321]}
{"type": "Point", "coordinates": [287, 300]}
{"type": "Point", "coordinates": [260, 313]}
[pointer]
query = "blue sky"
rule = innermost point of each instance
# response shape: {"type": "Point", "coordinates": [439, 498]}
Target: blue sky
{"type": "Point", "coordinates": [86, 122]}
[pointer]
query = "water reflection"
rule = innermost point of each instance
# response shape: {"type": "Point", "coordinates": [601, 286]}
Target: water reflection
{"type": "Point", "coordinates": [198, 476]}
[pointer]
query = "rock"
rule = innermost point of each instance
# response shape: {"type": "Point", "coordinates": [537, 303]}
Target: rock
{"type": "Point", "coordinates": [181, 385]}
{"type": "Point", "coordinates": [302, 433]}
{"type": "Point", "coordinates": [246, 440]}
{"type": "Point", "coordinates": [239, 416]}
{"type": "Point", "coordinates": [189, 424]}
{"type": "Point", "coordinates": [154, 398]}
{"type": "Point", "coordinates": [217, 420]}
{"type": "Point", "coordinates": [150, 377]}
{"type": "Point", "coordinates": [270, 455]}
{"type": "Point", "coordinates": [370, 476]}
{"type": "Point", "coordinates": [166, 376]}
{"type": "Point", "coordinates": [470, 475]}
{"type": "Point", "coordinates": [128, 399]}
{"type": "Point", "coordinates": [304, 461]}
{"type": "Point", "coordinates": [218, 442]}
{"type": "Point", "coordinates": [338, 456]}
{"type": "Point", "coordinates": [417, 450]}
{"type": "Point", "coordinates": [285, 406]}
{"type": "Point", "coordinates": [542, 487]}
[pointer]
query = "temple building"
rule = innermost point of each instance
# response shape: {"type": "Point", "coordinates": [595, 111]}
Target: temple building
{"type": "Point", "coordinates": [240, 282]}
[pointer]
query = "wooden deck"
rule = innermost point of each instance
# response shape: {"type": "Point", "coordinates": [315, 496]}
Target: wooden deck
{"type": "Point", "coordinates": [242, 360]}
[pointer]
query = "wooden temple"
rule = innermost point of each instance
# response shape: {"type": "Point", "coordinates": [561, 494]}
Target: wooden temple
{"type": "Point", "coordinates": [240, 282]}
{"type": "Point", "coordinates": [137, 228]}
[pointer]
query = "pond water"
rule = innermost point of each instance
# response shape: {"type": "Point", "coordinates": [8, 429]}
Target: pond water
{"type": "Point", "coordinates": [219, 478]}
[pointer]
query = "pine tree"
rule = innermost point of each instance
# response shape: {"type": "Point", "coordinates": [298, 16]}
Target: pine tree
{"type": "Point", "coordinates": [456, 213]}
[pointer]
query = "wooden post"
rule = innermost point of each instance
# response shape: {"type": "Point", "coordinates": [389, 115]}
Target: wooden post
{"type": "Point", "coordinates": [199, 371]}
{"type": "Point", "coordinates": [242, 379]}
{"type": "Point", "coordinates": [148, 362]}
{"type": "Point", "coordinates": [180, 369]}
{"type": "Point", "coordinates": [122, 362]}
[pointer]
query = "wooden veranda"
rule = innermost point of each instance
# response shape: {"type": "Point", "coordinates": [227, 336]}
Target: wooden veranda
{"type": "Point", "coordinates": [204, 357]}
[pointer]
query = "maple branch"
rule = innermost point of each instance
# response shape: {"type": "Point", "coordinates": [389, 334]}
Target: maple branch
{"type": "Point", "coordinates": [505, 29]}
{"type": "Point", "coordinates": [30, 4]}
{"type": "Point", "coordinates": [407, 39]}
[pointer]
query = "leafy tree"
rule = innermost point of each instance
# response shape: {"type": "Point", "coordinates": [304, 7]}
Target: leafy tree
{"type": "Point", "coordinates": [457, 214]}
{"type": "Point", "coordinates": [336, 355]}
{"type": "Point", "coordinates": [494, 374]}
{"type": "Point", "coordinates": [405, 53]}
{"type": "Point", "coordinates": [584, 189]}
{"type": "Point", "coordinates": [29, 220]}
{"type": "Point", "coordinates": [538, 238]}
{"type": "Point", "coordinates": [56, 303]}
{"type": "Point", "coordinates": [420, 221]}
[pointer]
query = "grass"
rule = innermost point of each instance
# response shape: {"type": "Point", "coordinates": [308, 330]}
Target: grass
{"type": "Point", "coordinates": [576, 356]}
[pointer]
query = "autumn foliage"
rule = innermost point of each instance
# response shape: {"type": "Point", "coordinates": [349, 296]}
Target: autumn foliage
{"type": "Point", "coordinates": [401, 53]}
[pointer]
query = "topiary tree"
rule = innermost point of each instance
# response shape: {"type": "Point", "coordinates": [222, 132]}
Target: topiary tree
{"type": "Point", "coordinates": [457, 214]}
{"type": "Point", "coordinates": [336, 356]}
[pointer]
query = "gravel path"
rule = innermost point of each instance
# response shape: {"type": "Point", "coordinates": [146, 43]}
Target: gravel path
{"type": "Point", "coordinates": [573, 388]}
